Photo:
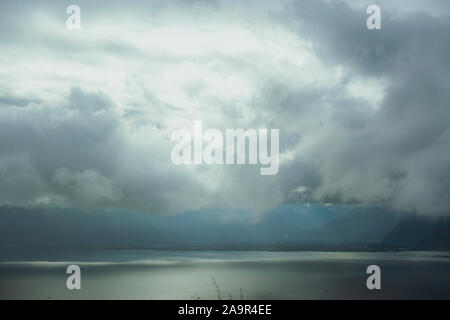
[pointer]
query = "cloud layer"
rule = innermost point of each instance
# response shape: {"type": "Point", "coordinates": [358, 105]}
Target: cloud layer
{"type": "Point", "coordinates": [86, 115]}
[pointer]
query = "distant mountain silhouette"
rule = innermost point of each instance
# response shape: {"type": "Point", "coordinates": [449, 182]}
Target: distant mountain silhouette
{"type": "Point", "coordinates": [360, 225]}
{"type": "Point", "coordinates": [292, 226]}
{"type": "Point", "coordinates": [420, 233]}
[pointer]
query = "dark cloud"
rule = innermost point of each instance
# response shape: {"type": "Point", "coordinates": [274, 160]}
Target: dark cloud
{"type": "Point", "coordinates": [86, 117]}
{"type": "Point", "coordinates": [392, 156]}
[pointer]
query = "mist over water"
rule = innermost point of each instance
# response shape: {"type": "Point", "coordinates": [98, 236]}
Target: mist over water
{"type": "Point", "coordinates": [151, 274]}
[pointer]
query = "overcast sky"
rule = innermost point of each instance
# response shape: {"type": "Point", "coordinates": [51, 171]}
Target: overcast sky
{"type": "Point", "coordinates": [86, 115]}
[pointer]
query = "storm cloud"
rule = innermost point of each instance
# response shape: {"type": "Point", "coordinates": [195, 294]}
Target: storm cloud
{"type": "Point", "coordinates": [86, 115]}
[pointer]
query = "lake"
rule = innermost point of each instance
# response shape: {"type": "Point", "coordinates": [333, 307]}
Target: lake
{"type": "Point", "coordinates": [154, 274]}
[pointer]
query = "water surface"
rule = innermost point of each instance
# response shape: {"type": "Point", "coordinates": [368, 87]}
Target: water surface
{"type": "Point", "coordinates": [153, 274]}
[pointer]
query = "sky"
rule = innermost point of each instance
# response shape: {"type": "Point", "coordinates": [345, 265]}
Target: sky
{"type": "Point", "coordinates": [86, 115]}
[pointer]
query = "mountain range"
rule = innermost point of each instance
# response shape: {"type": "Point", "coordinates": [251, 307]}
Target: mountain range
{"type": "Point", "coordinates": [292, 226]}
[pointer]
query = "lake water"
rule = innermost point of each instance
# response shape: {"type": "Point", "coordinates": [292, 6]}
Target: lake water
{"type": "Point", "coordinates": [152, 274]}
